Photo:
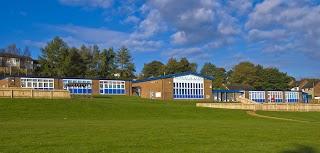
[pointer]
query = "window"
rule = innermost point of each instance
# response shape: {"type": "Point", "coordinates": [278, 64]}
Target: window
{"type": "Point", "coordinates": [188, 90]}
{"type": "Point", "coordinates": [113, 87]}
{"type": "Point", "coordinates": [77, 86]}
{"type": "Point", "coordinates": [37, 83]}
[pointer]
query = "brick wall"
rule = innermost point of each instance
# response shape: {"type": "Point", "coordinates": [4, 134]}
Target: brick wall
{"type": "Point", "coordinates": [316, 90]}
{"type": "Point", "coordinates": [165, 86]}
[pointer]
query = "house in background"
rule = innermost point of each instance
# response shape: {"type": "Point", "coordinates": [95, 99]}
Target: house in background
{"type": "Point", "coordinates": [22, 63]}
{"type": "Point", "coordinates": [310, 86]}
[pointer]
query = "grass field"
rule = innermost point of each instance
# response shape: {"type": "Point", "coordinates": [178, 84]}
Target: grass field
{"type": "Point", "coordinates": [131, 124]}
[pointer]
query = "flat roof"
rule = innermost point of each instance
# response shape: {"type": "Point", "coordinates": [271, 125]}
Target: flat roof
{"type": "Point", "coordinates": [61, 78]}
{"type": "Point", "coordinates": [172, 76]}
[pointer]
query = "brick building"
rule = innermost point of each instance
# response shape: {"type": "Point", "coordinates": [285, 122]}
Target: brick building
{"type": "Point", "coordinates": [186, 85]}
{"type": "Point", "coordinates": [74, 85]}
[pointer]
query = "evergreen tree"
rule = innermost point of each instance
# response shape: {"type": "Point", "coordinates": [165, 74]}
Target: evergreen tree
{"type": "Point", "coordinates": [73, 64]}
{"type": "Point", "coordinates": [86, 55]}
{"type": "Point", "coordinates": [107, 64]}
{"type": "Point", "coordinates": [54, 52]}
{"type": "Point", "coordinates": [124, 63]}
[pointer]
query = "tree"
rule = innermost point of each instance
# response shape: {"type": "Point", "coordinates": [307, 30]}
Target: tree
{"type": "Point", "coordinates": [27, 58]}
{"type": "Point", "coordinates": [73, 64]}
{"type": "Point", "coordinates": [219, 78]}
{"type": "Point", "coordinates": [124, 63]}
{"type": "Point", "coordinates": [172, 66]}
{"type": "Point", "coordinates": [54, 52]}
{"type": "Point", "coordinates": [107, 65]}
{"type": "Point", "coordinates": [208, 69]}
{"type": "Point", "coordinates": [86, 55]}
{"type": "Point", "coordinates": [152, 69]}
{"type": "Point", "coordinates": [244, 73]}
{"type": "Point", "coordinates": [13, 52]}
{"type": "Point", "coordinates": [273, 79]}
{"type": "Point", "coordinates": [219, 74]}
{"type": "Point", "coordinates": [194, 67]}
{"type": "Point", "coordinates": [3, 60]}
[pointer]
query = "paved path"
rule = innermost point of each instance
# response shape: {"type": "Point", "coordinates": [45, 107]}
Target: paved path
{"type": "Point", "coordinates": [276, 118]}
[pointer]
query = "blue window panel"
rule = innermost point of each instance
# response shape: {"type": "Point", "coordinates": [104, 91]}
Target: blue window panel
{"type": "Point", "coordinates": [114, 91]}
{"type": "Point", "coordinates": [192, 96]}
{"type": "Point", "coordinates": [80, 91]}
{"type": "Point", "coordinates": [174, 96]}
{"type": "Point", "coordinates": [123, 91]}
{"type": "Point", "coordinates": [180, 96]}
{"type": "Point", "coordinates": [89, 90]}
{"type": "Point", "coordinates": [109, 91]}
{"type": "Point", "coordinates": [101, 91]}
{"type": "Point", "coordinates": [75, 91]}
{"type": "Point", "coordinates": [196, 96]}
{"type": "Point", "coordinates": [70, 90]}
{"type": "Point", "coordinates": [106, 91]}
{"type": "Point", "coordinates": [84, 91]}
{"type": "Point", "coordinates": [118, 91]}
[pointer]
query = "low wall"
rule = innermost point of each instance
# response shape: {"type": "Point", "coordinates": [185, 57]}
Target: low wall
{"type": "Point", "coordinates": [265, 107]}
{"type": "Point", "coordinates": [31, 93]}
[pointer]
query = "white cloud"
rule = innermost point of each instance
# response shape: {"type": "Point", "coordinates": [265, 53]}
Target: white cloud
{"type": "Point", "coordinates": [38, 44]}
{"type": "Point", "coordinates": [150, 26]}
{"type": "Point", "coordinates": [143, 45]}
{"type": "Point", "coordinates": [131, 19]}
{"type": "Point", "coordinates": [88, 3]}
{"type": "Point", "coordinates": [193, 54]}
{"type": "Point", "coordinates": [179, 38]}
{"type": "Point", "coordinates": [276, 35]}
{"type": "Point", "coordinates": [294, 22]}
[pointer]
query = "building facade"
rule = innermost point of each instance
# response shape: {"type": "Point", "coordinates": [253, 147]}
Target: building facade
{"type": "Point", "coordinates": [183, 86]}
{"type": "Point", "coordinates": [74, 85]}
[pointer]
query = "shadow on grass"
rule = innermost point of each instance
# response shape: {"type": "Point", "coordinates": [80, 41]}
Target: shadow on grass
{"type": "Point", "coordinates": [101, 96]}
{"type": "Point", "coordinates": [302, 149]}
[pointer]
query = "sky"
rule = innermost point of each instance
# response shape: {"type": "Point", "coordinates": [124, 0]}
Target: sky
{"type": "Point", "coordinates": [273, 33]}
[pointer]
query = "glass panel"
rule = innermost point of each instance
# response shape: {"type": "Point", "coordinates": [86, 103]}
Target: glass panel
{"type": "Point", "coordinates": [23, 84]}
{"type": "Point", "coordinates": [51, 85]}
{"type": "Point", "coordinates": [45, 84]}
{"type": "Point", "coordinates": [40, 84]}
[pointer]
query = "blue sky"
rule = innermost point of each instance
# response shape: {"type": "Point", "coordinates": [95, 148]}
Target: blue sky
{"type": "Point", "coordinates": [274, 33]}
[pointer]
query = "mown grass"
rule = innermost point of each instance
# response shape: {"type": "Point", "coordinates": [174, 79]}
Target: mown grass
{"type": "Point", "coordinates": [131, 124]}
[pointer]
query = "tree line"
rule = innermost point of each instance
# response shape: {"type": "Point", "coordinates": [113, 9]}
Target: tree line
{"type": "Point", "coordinates": [245, 73]}
{"type": "Point", "coordinates": [60, 60]}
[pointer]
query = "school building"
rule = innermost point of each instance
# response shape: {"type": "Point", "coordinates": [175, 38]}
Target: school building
{"type": "Point", "coordinates": [182, 86]}
{"type": "Point", "coordinates": [74, 85]}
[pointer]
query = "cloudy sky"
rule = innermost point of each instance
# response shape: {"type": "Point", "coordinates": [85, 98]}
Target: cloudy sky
{"type": "Point", "coordinates": [274, 33]}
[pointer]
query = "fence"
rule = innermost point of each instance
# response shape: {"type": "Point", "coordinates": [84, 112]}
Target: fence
{"type": "Point", "coordinates": [265, 107]}
{"type": "Point", "coordinates": [31, 93]}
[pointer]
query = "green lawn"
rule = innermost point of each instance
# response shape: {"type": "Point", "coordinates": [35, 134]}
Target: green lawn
{"type": "Point", "coordinates": [131, 124]}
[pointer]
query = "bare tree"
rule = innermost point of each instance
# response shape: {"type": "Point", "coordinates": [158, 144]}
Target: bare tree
{"type": "Point", "coordinates": [27, 58]}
